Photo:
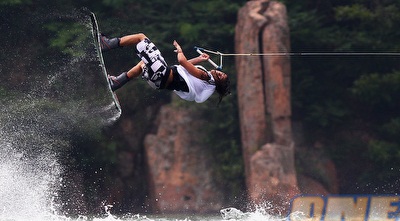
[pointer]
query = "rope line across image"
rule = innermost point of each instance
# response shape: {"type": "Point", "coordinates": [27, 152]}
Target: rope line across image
{"type": "Point", "coordinates": [221, 55]}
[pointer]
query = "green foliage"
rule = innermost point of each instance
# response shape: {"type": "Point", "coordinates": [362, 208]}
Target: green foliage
{"type": "Point", "coordinates": [117, 4]}
{"type": "Point", "coordinates": [381, 151]}
{"type": "Point", "coordinates": [328, 112]}
{"type": "Point", "coordinates": [223, 139]}
{"type": "Point", "coordinates": [68, 37]}
{"type": "Point", "coordinates": [189, 31]}
{"type": "Point", "coordinates": [14, 2]}
{"type": "Point", "coordinates": [391, 130]}
{"type": "Point", "coordinates": [354, 12]}
{"type": "Point", "coordinates": [378, 89]}
{"type": "Point", "coordinates": [350, 103]}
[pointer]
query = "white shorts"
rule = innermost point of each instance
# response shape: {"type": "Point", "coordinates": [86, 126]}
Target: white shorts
{"type": "Point", "coordinates": [156, 71]}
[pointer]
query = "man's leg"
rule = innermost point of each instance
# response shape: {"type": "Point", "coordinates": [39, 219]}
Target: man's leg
{"type": "Point", "coordinates": [136, 70]}
{"type": "Point", "coordinates": [120, 80]}
{"type": "Point", "coordinates": [128, 40]}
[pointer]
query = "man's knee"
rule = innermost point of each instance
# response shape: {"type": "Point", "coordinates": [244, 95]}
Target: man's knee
{"type": "Point", "coordinates": [142, 36]}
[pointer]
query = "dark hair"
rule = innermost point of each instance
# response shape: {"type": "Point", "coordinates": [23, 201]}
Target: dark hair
{"type": "Point", "coordinates": [223, 88]}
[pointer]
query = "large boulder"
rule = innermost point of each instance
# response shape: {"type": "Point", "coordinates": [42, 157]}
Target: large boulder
{"type": "Point", "coordinates": [273, 177]}
{"type": "Point", "coordinates": [179, 167]}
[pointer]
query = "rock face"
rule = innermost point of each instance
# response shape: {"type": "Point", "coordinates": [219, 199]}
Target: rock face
{"type": "Point", "coordinates": [179, 168]}
{"type": "Point", "coordinates": [273, 179]}
{"type": "Point", "coordinates": [264, 102]}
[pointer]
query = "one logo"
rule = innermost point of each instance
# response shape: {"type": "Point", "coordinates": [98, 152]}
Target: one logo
{"type": "Point", "coordinates": [345, 207]}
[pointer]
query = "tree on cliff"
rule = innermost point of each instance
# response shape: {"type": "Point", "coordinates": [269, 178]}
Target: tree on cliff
{"type": "Point", "coordinates": [350, 104]}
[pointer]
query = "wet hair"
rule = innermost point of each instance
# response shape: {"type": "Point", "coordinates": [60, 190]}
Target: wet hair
{"type": "Point", "coordinates": [223, 88]}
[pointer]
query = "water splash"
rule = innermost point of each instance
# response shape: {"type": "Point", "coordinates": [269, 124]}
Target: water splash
{"type": "Point", "coordinates": [260, 214]}
{"type": "Point", "coordinates": [40, 116]}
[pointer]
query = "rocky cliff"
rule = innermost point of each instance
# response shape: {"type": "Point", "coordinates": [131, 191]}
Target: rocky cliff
{"type": "Point", "coordinates": [179, 167]}
{"type": "Point", "coordinates": [264, 102]}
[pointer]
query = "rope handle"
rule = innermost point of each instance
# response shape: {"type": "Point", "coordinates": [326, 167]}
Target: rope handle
{"type": "Point", "coordinates": [200, 51]}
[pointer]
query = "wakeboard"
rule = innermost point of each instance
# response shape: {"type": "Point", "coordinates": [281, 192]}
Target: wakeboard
{"type": "Point", "coordinates": [96, 39]}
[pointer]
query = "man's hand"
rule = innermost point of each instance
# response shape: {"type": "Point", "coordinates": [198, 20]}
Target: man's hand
{"type": "Point", "coordinates": [178, 47]}
{"type": "Point", "coordinates": [189, 65]}
{"type": "Point", "coordinates": [204, 57]}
